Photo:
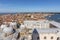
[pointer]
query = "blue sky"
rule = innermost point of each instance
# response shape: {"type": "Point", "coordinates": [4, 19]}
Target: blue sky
{"type": "Point", "coordinates": [29, 5]}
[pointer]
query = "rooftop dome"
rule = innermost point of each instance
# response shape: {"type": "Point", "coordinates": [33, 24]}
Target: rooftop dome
{"type": "Point", "coordinates": [35, 31]}
{"type": "Point", "coordinates": [8, 30]}
{"type": "Point", "coordinates": [3, 26]}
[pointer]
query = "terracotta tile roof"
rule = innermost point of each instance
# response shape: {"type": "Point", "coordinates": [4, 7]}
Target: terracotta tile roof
{"type": "Point", "coordinates": [22, 17]}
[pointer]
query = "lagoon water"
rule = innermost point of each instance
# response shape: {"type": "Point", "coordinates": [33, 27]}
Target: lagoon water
{"type": "Point", "coordinates": [55, 17]}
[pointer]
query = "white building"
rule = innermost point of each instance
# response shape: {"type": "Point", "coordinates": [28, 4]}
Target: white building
{"type": "Point", "coordinates": [36, 24]}
{"type": "Point", "coordinates": [46, 34]}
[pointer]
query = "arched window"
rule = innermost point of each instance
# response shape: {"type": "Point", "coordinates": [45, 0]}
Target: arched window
{"type": "Point", "coordinates": [44, 37]}
{"type": "Point", "coordinates": [38, 38]}
{"type": "Point", "coordinates": [58, 38]}
{"type": "Point", "coordinates": [52, 37]}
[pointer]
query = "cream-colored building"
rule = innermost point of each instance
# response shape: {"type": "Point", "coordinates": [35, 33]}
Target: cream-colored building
{"type": "Point", "coordinates": [46, 34]}
{"type": "Point", "coordinates": [37, 24]}
{"type": "Point", "coordinates": [41, 30]}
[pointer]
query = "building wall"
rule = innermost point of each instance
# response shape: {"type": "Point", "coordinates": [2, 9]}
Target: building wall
{"type": "Point", "coordinates": [48, 36]}
{"type": "Point", "coordinates": [37, 24]}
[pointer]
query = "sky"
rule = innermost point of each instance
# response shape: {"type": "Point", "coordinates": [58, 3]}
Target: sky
{"type": "Point", "coordinates": [29, 6]}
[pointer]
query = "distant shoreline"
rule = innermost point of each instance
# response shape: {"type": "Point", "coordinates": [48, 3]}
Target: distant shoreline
{"type": "Point", "coordinates": [31, 13]}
